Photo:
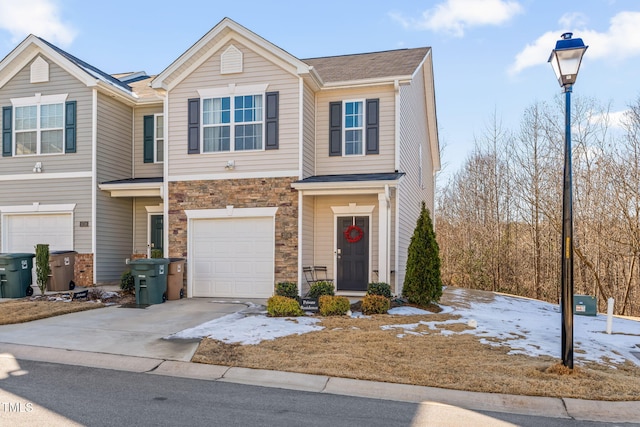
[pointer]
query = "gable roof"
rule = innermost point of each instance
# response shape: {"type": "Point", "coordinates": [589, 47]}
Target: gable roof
{"type": "Point", "coordinates": [366, 66]}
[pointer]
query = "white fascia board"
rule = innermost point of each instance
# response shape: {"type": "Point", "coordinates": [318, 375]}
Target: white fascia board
{"type": "Point", "coordinates": [133, 189]}
{"type": "Point", "coordinates": [367, 82]}
{"type": "Point", "coordinates": [46, 175]}
{"type": "Point", "coordinates": [342, 188]}
{"type": "Point", "coordinates": [234, 175]}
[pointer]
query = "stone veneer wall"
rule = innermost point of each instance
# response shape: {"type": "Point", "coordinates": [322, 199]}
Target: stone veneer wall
{"type": "Point", "coordinates": [240, 193]}
{"type": "Point", "coordinates": [83, 270]}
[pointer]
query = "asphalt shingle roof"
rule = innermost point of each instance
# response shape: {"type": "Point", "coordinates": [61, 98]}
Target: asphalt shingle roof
{"type": "Point", "coordinates": [391, 63]}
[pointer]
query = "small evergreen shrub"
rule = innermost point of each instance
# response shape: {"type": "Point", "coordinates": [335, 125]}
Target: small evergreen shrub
{"type": "Point", "coordinates": [379, 288]}
{"type": "Point", "coordinates": [156, 253]}
{"type": "Point", "coordinates": [43, 269]}
{"type": "Point", "coordinates": [127, 282]}
{"type": "Point", "coordinates": [279, 306]}
{"type": "Point", "coordinates": [287, 289]}
{"type": "Point", "coordinates": [331, 305]}
{"type": "Point", "coordinates": [321, 288]}
{"type": "Point", "coordinates": [375, 304]}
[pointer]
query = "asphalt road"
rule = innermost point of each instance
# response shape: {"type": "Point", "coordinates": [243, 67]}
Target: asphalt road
{"type": "Point", "coordinates": [49, 394]}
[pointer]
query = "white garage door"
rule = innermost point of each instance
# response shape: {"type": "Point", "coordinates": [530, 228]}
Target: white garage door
{"type": "Point", "coordinates": [232, 257]}
{"type": "Point", "coordinates": [24, 232]}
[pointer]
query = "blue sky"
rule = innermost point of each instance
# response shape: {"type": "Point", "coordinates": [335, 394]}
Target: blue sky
{"type": "Point", "coordinates": [490, 56]}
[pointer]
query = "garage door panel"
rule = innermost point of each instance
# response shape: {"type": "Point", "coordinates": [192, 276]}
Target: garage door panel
{"type": "Point", "coordinates": [240, 253]}
{"type": "Point", "coordinates": [24, 232]}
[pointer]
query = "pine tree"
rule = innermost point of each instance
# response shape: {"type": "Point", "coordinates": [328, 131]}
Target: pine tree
{"type": "Point", "coordinates": [422, 283]}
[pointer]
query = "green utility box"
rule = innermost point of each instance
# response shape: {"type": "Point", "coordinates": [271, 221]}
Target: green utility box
{"type": "Point", "coordinates": [585, 305]}
{"type": "Point", "coordinates": [15, 275]}
{"type": "Point", "coordinates": [150, 276]}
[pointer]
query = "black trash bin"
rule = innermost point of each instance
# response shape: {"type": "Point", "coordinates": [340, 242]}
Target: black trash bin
{"type": "Point", "coordinates": [62, 265]}
{"type": "Point", "coordinates": [15, 275]}
{"type": "Point", "coordinates": [150, 277]}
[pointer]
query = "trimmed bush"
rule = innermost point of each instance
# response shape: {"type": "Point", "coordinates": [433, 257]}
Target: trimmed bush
{"type": "Point", "coordinates": [127, 282]}
{"type": "Point", "coordinates": [321, 288]}
{"type": "Point", "coordinates": [279, 306]}
{"type": "Point", "coordinates": [43, 270]}
{"type": "Point", "coordinates": [287, 289]}
{"type": "Point", "coordinates": [156, 253]}
{"type": "Point", "coordinates": [331, 305]}
{"type": "Point", "coordinates": [375, 304]}
{"type": "Point", "coordinates": [379, 288]}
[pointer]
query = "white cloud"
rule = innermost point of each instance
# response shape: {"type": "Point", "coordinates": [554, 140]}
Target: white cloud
{"type": "Point", "coordinates": [39, 17]}
{"type": "Point", "coordinates": [620, 41]}
{"type": "Point", "coordinates": [615, 119]}
{"type": "Point", "coordinates": [455, 16]}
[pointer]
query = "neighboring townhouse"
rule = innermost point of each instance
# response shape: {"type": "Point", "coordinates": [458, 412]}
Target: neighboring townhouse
{"type": "Point", "coordinates": [245, 160]}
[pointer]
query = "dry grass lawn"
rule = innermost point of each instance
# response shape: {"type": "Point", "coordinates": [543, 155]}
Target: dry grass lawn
{"type": "Point", "coordinates": [358, 348]}
{"type": "Point", "coordinates": [24, 310]}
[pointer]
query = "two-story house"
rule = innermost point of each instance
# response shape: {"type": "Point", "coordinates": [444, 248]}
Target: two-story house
{"type": "Point", "coordinates": [241, 158]}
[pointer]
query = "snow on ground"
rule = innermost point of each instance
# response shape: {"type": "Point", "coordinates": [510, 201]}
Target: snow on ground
{"type": "Point", "coordinates": [527, 326]}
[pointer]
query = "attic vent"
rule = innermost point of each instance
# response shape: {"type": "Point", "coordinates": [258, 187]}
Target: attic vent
{"type": "Point", "coordinates": [39, 71]}
{"type": "Point", "coordinates": [231, 61]}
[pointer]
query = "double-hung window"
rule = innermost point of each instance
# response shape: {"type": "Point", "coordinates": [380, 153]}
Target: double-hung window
{"type": "Point", "coordinates": [158, 138]}
{"type": "Point", "coordinates": [39, 129]}
{"type": "Point", "coordinates": [232, 123]}
{"type": "Point", "coordinates": [353, 127]}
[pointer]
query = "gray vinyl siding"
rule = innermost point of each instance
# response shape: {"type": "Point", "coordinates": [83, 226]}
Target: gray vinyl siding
{"type": "Point", "coordinates": [308, 133]}
{"type": "Point", "coordinates": [413, 133]}
{"type": "Point", "coordinates": [308, 226]}
{"type": "Point", "coordinates": [54, 192]}
{"type": "Point", "coordinates": [60, 82]}
{"type": "Point", "coordinates": [257, 70]}
{"type": "Point", "coordinates": [140, 168]}
{"type": "Point", "coordinates": [373, 163]}
{"type": "Point", "coordinates": [114, 237]}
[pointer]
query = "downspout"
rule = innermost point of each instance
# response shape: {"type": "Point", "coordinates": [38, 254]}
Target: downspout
{"type": "Point", "coordinates": [94, 183]}
{"type": "Point", "coordinates": [164, 195]}
{"type": "Point", "coordinates": [300, 176]}
{"type": "Point", "coordinates": [388, 238]}
{"type": "Point", "coordinates": [396, 86]}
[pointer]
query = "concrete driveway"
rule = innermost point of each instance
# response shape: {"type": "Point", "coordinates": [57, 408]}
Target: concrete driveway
{"type": "Point", "coordinates": [124, 331]}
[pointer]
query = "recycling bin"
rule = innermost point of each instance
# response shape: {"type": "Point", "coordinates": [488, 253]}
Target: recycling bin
{"type": "Point", "coordinates": [585, 305]}
{"type": "Point", "coordinates": [175, 278]}
{"type": "Point", "coordinates": [15, 275]}
{"type": "Point", "coordinates": [62, 264]}
{"type": "Point", "coordinates": [150, 277]}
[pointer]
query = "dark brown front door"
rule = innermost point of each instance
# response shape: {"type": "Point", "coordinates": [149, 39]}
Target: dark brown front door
{"type": "Point", "coordinates": [353, 253]}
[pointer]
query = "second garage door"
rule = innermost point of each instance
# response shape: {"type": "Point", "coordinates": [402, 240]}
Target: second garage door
{"type": "Point", "coordinates": [232, 257]}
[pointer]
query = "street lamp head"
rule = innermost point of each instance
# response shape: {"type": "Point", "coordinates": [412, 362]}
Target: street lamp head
{"type": "Point", "coordinates": [566, 58]}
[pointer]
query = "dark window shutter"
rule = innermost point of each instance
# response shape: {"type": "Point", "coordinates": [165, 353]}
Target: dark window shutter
{"type": "Point", "coordinates": [193, 138]}
{"type": "Point", "coordinates": [373, 108]}
{"type": "Point", "coordinates": [271, 121]}
{"type": "Point", "coordinates": [335, 129]}
{"type": "Point", "coordinates": [7, 123]}
{"type": "Point", "coordinates": [70, 123]}
{"type": "Point", "coordinates": [148, 129]}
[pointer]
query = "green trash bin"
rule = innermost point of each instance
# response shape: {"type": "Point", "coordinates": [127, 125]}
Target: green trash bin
{"type": "Point", "coordinates": [150, 277]}
{"type": "Point", "coordinates": [585, 305]}
{"type": "Point", "coordinates": [15, 275]}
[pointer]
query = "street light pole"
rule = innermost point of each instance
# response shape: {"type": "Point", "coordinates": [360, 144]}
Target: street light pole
{"type": "Point", "coordinates": [566, 281]}
{"type": "Point", "coordinates": [565, 60]}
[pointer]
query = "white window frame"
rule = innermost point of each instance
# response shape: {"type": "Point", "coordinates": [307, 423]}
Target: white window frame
{"type": "Point", "coordinates": [37, 101]}
{"type": "Point", "coordinates": [158, 142]}
{"type": "Point", "coordinates": [231, 91]}
{"type": "Point", "coordinates": [361, 128]}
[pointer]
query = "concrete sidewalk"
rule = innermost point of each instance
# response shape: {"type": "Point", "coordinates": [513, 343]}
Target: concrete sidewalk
{"type": "Point", "coordinates": [130, 339]}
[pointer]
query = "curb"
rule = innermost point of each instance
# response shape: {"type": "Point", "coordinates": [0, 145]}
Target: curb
{"type": "Point", "coordinates": [563, 408]}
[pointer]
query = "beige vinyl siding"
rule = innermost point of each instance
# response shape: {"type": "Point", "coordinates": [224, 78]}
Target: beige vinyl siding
{"type": "Point", "coordinates": [308, 131]}
{"type": "Point", "coordinates": [141, 222]}
{"type": "Point", "coordinates": [374, 163]}
{"type": "Point", "coordinates": [308, 221]}
{"type": "Point", "coordinates": [257, 70]}
{"type": "Point", "coordinates": [140, 168]}
{"type": "Point", "coordinates": [325, 231]}
{"type": "Point", "coordinates": [60, 82]}
{"type": "Point", "coordinates": [413, 133]}
{"type": "Point", "coordinates": [114, 237]}
{"type": "Point", "coordinates": [54, 192]}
